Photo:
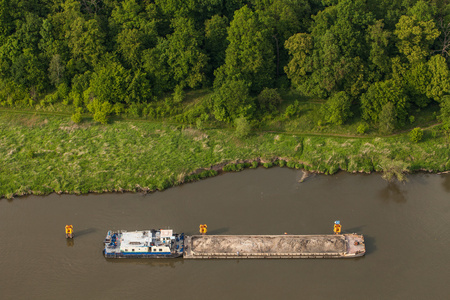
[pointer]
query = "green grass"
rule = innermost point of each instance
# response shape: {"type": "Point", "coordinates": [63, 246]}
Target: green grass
{"type": "Point", "coordinates": [40, 154]}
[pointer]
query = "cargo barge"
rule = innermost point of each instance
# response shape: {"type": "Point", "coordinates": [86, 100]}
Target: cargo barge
{"type": "Point", "coordinates": [274, 246]}
{"type": "Point", "coordinates": [165, 244]}
{"type": "Point", "coordinates": [143, 244]}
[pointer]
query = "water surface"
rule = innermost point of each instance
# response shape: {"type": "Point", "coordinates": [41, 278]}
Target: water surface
{"type": "Point", "coordinates": [406, 227]}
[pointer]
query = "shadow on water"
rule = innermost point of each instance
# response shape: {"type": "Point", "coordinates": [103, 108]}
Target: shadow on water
{"type": "Point", "coordinates": [370, 244]}
{"type": "Point", "coordinates": [393, 192]}
{"type": "Point", "coordinates": [70, 242]}
{"type": "Point", "coordinates": [219, 231]}
{"type": "Point", "coordinates": [152, 262]}
{"type": "Point", "coordinates": [84, 232]}
{"type": "Point", "coordinates": [446, 182]}
{"type": "Point", "coordinates": [354, 229]}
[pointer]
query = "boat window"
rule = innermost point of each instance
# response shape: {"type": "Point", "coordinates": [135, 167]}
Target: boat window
{"type": "Point", "coordinates": [132, 250]}
{"type": "Point", "coordinates": [160, 250]}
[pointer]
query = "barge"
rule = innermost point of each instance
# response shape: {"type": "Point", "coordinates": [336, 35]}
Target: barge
{"type": "Point", "coordinates": [152, 243]}
{"type": "Point", "coordinates": [274, 246]}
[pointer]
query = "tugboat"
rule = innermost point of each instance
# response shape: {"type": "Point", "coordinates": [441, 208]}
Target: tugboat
{"type": "Point", "coordinates": [153, 243]}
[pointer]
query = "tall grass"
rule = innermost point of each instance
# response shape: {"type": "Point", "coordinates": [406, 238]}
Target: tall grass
{"type": "Point", "coordinates": [43, 154]}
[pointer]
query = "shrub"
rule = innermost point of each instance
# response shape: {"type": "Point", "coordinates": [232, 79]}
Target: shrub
{"type": "Point", "coordinates": [269, 100]}
{"type": "Point", "coordinates": [291, 164]}
{"type": "Point", "coordinates": [178, 94]}
{"type": "Point", "coordinates": [267, 165]}
{"type": "Point", "coordinates": [362, 128]}
{"type": "Point", "coordinates": [230, 100]}
{"type": "Point", "coordinates": [233, 167]}
{"type": "Point", "coordinates": [101, 110]}
{"type": "Point", "coordinates": [243, 127]}
{"type": "Point", "coordinates": [412, 119]}
{"type": "Point", "coordinates": [416, 135]}
{"type": "Point", "coordinates": [134, 110]}
{"type": "Point", "coordinates": [76, 117]}
{"type": "Point", "coordinates": [337, 109]}
{"type": "Point", "coordinates": [387, 118]}
{"type": "Point", "coordinates": [292, 110]}
{"type": "Point", "coordinates": [254, 165]}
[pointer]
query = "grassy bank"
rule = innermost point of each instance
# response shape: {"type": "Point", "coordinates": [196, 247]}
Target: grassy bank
{"type": "Point", "coordinates": [40, 154]}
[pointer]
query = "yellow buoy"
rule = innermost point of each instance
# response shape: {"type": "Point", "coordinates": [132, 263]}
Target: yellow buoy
{"type": "Point", "coordinates": [337, 227]}
{"type": "Point", "coordinates": [203, 229]}
{"type": "Point", "coordinates": [69, 231]}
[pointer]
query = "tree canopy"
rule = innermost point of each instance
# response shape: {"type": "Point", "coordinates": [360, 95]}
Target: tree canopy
{"type": "Point", "coordinates": [358, 55]}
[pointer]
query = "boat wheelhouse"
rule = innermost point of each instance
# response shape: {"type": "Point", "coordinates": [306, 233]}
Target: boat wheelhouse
{"type": "Point", "coordinates": [143, 244]}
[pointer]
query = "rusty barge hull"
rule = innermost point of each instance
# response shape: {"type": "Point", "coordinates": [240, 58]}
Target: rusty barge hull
{"type": "Point", "coordinates": [274, 246]}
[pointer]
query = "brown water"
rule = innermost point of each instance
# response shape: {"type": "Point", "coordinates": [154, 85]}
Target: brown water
{"type": "Point", "coordinates": [406, 227]}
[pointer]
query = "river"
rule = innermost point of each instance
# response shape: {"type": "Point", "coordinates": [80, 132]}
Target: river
{"type": "Point", "coordinates": [406, 227]}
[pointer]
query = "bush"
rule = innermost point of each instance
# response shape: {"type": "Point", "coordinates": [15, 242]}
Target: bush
{"type": "Point", "coordinates": [291, 164]}
{"type": "Point", "coordinates": [231, 100]}
{"type": "Point", "coordinates": [76, 117]}
{"type": "Point", "coordinates": [269, 100]}
{"type": "Point", "coordinates": [101, 110]}
{"type": "Point", "coordinates": [416, 135]}
{"type": "Point", "coordinates": [267, 165]}
{"type": "Point", "coordinates": [233, 167]}
{"type": "Point", "coordinates": [243, 127]}
{"type": "Point", "coordinates": [362, 128]}
{"type": "Point", "coordinates": [178, 94]}
{"type": "Point", "coordinates": [299, 166]}
{"type": "Point", "coordinates": [337, 109]}
{"type": "Point", "coordinates": [254, 165]}
{"type": "Point", "coordinates": [292, 110]}
{"type": "Point", "coordinates": [387, 118]}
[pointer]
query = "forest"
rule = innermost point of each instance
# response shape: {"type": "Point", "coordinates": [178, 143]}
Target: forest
{"type": "Point", "coordinates": [373, 62]}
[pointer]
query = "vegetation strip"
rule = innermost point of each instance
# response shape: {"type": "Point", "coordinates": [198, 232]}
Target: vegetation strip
{"type": "Point", "coordinates": [42, 154]}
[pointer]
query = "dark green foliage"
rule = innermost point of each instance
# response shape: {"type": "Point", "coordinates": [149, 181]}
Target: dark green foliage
{"type": "Point", "coordinates": [445, 110]}
{"type": "Point", "coordinates": [232, 100]}
{"type": "Point", "coordinates": [337, 109]}
{"type": "Point", "coordinates": [201, 175]}
{"type": "Point", "coordinates": [381, 93]}
{"type": "Point", "coordinates": [292, 110]}
{"type": "Point", "coordinates": [269, 100]}
{"type": "Point", "coordinates": [234, 167]}
{"type": "Point", "coordinates": [254, 165]}
{"type": "Point", "coordinates": [216, 41]}
{"type": "Point", "coordinates": [267, 165]}
{"type": "Point", "coordinates": [357, 55]}
{"type": "Point", "coordinates": [249, 56]}
{"type": "Point", "coordinates": [387, 119]}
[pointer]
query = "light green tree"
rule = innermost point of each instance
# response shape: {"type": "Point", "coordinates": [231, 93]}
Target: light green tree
{"type": "Point", "coordinates": [415, 37]}
{"type": "Point", "coordinates": [439, 84]}
{"type": "Point", "coordinates": [379, 95]}
{"type": "Point", "coordinates": [249, 56]}
{"type": "Point", "coordinates": [337, 109]}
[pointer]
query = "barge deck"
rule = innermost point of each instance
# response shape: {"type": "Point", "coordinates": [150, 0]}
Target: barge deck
{"type": "Point", "coordinates": [274, 246]}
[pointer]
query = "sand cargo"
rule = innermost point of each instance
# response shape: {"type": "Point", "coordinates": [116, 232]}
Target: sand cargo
{"type": "Point", "coordinates": [274, 246]}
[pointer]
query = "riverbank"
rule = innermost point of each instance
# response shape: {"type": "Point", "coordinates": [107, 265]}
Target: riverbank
{"type": "Point", "coordinates": [42, 154]}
